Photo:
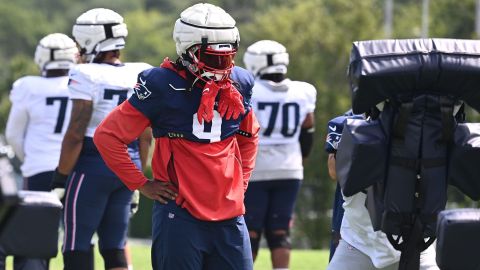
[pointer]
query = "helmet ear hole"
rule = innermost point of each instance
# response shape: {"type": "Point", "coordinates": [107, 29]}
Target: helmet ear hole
{"type": "Point", "coordinates": [266, 57]}
{"type": "Point", "coordinates": [56, 51]}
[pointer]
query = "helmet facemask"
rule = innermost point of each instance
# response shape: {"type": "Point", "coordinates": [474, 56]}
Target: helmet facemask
{"type": "Point", "coordinates": [211, 61]}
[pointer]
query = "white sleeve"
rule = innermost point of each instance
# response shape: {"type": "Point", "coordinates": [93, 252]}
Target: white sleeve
{"type": "Point", "coordinates": [80, 85]}
{"type": "Point", "coordinates": [311, 94]}
{"type": "Point", "coordinates": [17, 120]}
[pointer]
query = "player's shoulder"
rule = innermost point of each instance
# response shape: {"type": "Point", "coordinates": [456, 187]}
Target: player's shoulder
{"type": "Point", "coordinates": [301, 86]}
{"type": "Point", "coordinates": [137, 66]}
{"type": "Point", "coordinates": [83, 72]}
{"type": "Point", "coordinates": [340, 120]}
{"type": "Point", "coordinates": [337, 121]}
{"type": "Point", "coordinates": [25, 87]}
{"type": "Point", "coordinates": [244, 78]}
{"type": "Point", "coordinates": [152, 82]}
{"type": "Point", "coordinates": [157, 76]}
{"type": "Point", "coordinates": [26, 81]}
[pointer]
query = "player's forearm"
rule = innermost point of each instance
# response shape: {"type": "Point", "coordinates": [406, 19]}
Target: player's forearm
{"type": "Point", "coordinates": [16, 142]}
{"type": "Point", "coordinates": [247, 138]}
{"type": "Point", "coordinates": [71, 148]}
{"type": "Point", "coordinates": [111, 137]}
{"type": "Point", "coordinates": [331, 166]}
{"type": "Point", "coordinates": [145, 141]}
{"type": "Point", "coordinates": [15, 131]}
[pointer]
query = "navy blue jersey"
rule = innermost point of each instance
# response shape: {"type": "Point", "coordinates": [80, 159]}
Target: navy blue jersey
{"type": "Point", "coordinates": [164, 97]}
{"type": "Point", "coordinates": [334, 132]}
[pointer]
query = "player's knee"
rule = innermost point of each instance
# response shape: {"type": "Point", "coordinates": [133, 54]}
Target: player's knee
{"type": "Point", "coordinates": [114, 258]}
{"type": "Point", "coordinates": [78, 260]}
{"type": "Point", "coordinates": [255, 240]}
{"type": "Point", "coordinates": [278, 239]}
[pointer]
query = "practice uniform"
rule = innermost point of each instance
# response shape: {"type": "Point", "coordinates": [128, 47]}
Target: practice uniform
{"type": "Point", "coordinates": [281, 109]}
{"type": "Point", "coordinates": [95, 199]}
{"type": "Point", "coordinates": [36, 124]}
{"type": "Point", "coordinates": [38, 120]}
{"type": "Point", "coordinates": [360, 246]}
{"type": "Point", "coordinates": [209, 165]}
{"type": "Point", "coordinates": [334, 133]}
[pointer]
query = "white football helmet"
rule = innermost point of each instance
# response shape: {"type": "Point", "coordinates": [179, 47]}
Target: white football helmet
{"type": "Point", "coordinates": [266, 57]}
{"type": "Point", "coordinates": [206, 40]}
{"type": "Point", "coordinates": [56, 51]}
{"type": "Point", "coordinates": [99, 30]}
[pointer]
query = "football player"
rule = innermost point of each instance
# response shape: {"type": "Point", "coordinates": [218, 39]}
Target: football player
{"type": "Point", "coordinates": [95, 200]}
{"type": "Point", "coordinates": [39, 116]}
{"type": "Point", "coordinates": [334, 133]}
{"type": "Point", "coordinates": [205, 145]}
{"type": "Point", "coordinates": [285, 112]}
{"type": "Point", "coordinates": [360, 247]}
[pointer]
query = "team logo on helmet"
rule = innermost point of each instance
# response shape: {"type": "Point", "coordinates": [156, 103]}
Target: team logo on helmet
{"type": "Point", "coordinates": [141, 90]}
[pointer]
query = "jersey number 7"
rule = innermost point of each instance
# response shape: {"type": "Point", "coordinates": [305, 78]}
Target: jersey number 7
{"type": "Point", "coordinates": [61, 112]}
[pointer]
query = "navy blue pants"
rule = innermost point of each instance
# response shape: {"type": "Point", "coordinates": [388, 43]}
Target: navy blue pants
{"type": "Point", "coordinates": [38, 182]}
{"type": "Point", "coordinates": [270, 204]}
{"type": "Point", "coordinates": [337, 217]}
{"type": "Point", "coordinates": [183, 242]}
{"type": "Point", "coordinates": [95, 201]}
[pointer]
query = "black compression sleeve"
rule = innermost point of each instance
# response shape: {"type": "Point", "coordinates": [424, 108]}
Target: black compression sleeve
{"type": "Point", "coordinates": [306, 141]}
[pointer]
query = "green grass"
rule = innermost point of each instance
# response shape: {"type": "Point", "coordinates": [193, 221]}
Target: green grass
{"type": "Point", "coordinates": [300, 259]}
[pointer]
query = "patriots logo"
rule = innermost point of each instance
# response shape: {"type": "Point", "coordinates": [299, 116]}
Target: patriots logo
{"type": "Point", "coordinates": [141, 90]}
{"type": "Point", "coordinates": [333, 139]}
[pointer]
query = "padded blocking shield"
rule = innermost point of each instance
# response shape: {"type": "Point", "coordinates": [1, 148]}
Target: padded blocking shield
{"type": "Point", "coordinates": [463, 171]}
{"type": "Point", "coordinates": [382, 69]}
{"type": "Point", "coordinates": [32, 229]}
{"type": "Point", "coordinates": [361, 156]}
{"type": "Point", "coordinates": [458, 235]}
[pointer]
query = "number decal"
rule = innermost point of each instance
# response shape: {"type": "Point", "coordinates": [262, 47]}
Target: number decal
{"type": "Point", "coordinates": [287, 109]}
{"type": "Point", "coordinates": [109, 94]}
{"type": "Point", "coordinates": [61, 112]}
{"type": "Point", "coordinates": [209, 130]}
{"type": "Point", "coordinates": [272, 118]}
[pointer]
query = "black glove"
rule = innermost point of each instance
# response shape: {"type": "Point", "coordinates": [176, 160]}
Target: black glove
{"type": "Point", "coordinates": [59, 180]}
{"type": "Point", "coordinates": [58, 183]}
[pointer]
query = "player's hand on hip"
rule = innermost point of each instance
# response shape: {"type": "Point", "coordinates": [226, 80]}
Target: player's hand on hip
{"type": "Point", "coordinates": [159, 190]}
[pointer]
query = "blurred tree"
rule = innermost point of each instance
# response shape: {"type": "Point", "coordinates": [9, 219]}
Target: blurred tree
{"type": "Point", "coordinates": [317, 33]}
{"type": "Point", "coordinates": [151, 40]}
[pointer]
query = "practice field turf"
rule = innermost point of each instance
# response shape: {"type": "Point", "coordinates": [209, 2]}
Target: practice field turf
{"type": "Point", "coordinates": [300, 260]}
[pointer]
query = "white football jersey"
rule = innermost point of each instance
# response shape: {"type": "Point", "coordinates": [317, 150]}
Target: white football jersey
{"type": "Point", "coordinates": [38, 120]}
{"type": "Point", "coordinates": [281, 109]}
{"type": "Point", "coordinates": [357, 230]}
{"type": "Point", "coordinates": [105, 85]}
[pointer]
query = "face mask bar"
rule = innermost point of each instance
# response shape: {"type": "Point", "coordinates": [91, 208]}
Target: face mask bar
{"type": "Point", "coordinates": [214, 61]}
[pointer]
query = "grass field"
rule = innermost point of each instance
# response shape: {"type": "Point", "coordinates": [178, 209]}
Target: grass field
{"type": "Point", "coordinates": [300, 260]}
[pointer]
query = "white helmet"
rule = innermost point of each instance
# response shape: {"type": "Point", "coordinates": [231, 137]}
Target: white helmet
{"type": "Point", "coordinates": [99, 30]}
{"type": "Point", "coordinates": [266, 57]}
{"type": "Point", "coordinates": [206, 39]}
{"type": "Point", "coordinates": [56, 51]}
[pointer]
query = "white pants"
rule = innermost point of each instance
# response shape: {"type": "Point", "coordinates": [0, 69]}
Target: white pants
{"type": "Point", "coordinates": [347, 257]}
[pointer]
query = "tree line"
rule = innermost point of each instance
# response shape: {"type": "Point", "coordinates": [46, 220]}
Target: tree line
{"type": "Point", "coordinates": [317, 33]}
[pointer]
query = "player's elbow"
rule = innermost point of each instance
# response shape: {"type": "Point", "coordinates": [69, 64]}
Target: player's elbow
{"type": "Point", "coordinates": [101, 138]}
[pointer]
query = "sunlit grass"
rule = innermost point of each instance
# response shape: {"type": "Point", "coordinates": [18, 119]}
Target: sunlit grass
{"type": "Point", "coordinates": [300, 260]}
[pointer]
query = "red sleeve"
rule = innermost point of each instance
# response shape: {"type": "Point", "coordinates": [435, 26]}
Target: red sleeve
{"type": "Point", "coordinates": [247, 138]}
{"type": "Point", "coordinates": [123, 125]}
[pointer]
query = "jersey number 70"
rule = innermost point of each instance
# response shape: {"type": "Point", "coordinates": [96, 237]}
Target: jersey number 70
{"type": "Point", "coordinates": [286, 110]}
